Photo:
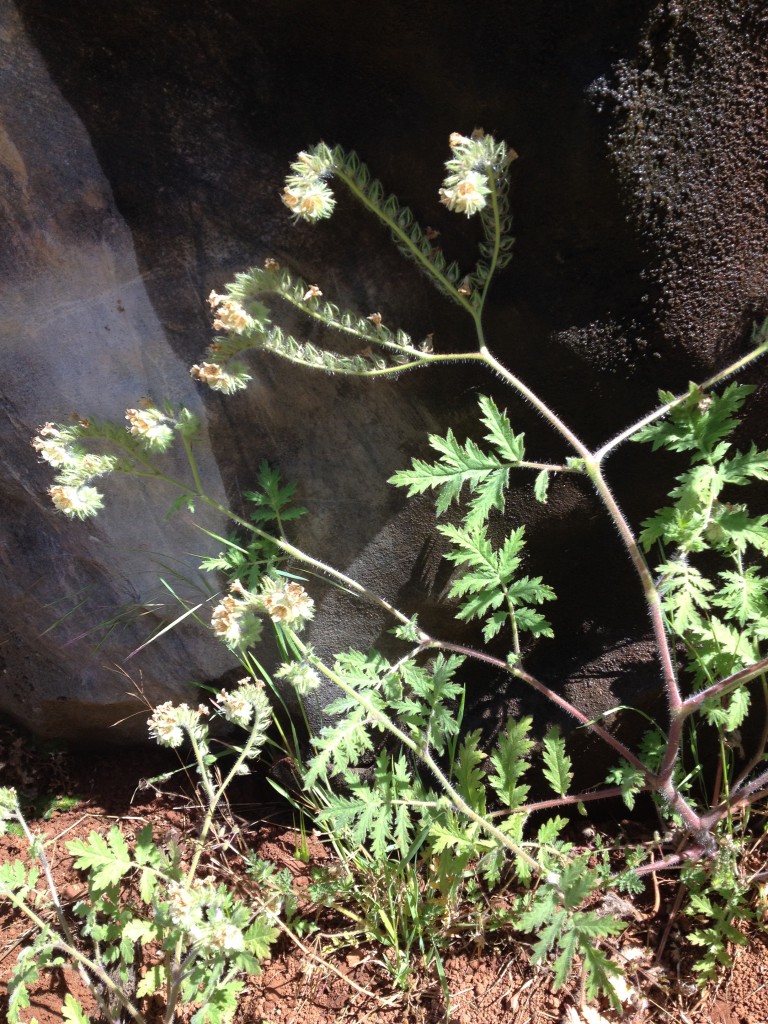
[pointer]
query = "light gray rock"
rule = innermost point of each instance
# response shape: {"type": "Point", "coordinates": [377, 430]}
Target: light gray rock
{"type": "Point", "coordinates": [79, 334]}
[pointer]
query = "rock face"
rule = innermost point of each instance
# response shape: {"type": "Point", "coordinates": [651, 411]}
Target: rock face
{"type": "Point", "coordinates": [79, 333]}
{"type": "Point", "coordinates": [141, 157]}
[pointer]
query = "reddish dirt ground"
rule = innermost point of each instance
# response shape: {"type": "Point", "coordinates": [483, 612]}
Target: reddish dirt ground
{"type": "Point", "coordinates": [311, 983]}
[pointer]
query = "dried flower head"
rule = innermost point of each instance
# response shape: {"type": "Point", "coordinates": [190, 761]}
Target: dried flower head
{"type": "Point", "coordinates": [226, 620]}
{"type": "Point", "coordinates": [229, 314]}
{"type": "Point", "coordinates": [313, 292]}
{"type": "Point", "coordinates": [317, 164]}
{"type": "Point", "coordinates": [456, 139]}
{"type": "Point", "coordinates": [375, 319]}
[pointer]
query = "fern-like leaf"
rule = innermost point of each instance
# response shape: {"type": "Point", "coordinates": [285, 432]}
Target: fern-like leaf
{"type": "Point", "coordinates": [510, 762]}
{"type": "Point", "coordinates": [557, 764]}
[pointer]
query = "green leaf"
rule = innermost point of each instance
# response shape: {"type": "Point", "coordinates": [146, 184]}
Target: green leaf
{"type": "Point", "coordinates": [569, 946]}
{"type": "Point", "coordinates": [741, 468]}
{"type": "Point", "coordinates": [259, 938]}
{"type": "Point", "coordinates": [699, 422]}
{"type": "Point", "coordinates": [599, 969]}
{"type": "Point", "coordinates": [510, 446]}
{"type": "Point", "coordinates": [533, 622]}
{"type": "Point", "coordinates": [15, 878]}
{"type": "Point", "coordinates": [631, 781]}
{"type": "Point", "coordinates": [469, 778]}
{"type": "Point", "coordinates": [541, 486]}
{"type": "Point", "coordinates": [487, 581]}
{"type": "Point", "coordinates": [550, 830]}
{"type": "Point", "coordinates": [684, 592]}
{"type": "Point", "coordinates": [153, 981]}
{"type": "Point", "coordinates": [272, 502]}
{"type": "Point", "coordinates": [409, 632]}
{"type": "Point", "coordinates": [510, 762]}
{"type": "Point", "coordinates": [139, 930]}
{"type": "Point", "coordinates": [743, 595]}
{"type": "Point", "coordinates": [220, 1004]}
{"type": "Point", "coordinates": [24, 974]}
{"type": "Point", "coordinates": [485, 475]}
{"type": "Point", "coordinates": [338, 746]}
{"type": "Point", "coordinates": [494, 623]}
{"type": "Point", "coordinates": [557, 764]}
{"type": "Point", "coordinates": [72, 1011]}
{"type": "Point", "coordinates": [741, 529]}
{"type": "Point", "coordinates": [577, 882]}
{"type": "Point", "coordinates": [106, 860]}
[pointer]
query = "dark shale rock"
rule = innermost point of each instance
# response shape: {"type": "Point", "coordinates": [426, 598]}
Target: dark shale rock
{"type": "Point", "coordinates": [142, 152]}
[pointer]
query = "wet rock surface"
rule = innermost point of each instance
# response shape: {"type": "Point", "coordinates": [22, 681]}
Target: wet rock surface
{"type": "Point", "coordinates": [152, 144]}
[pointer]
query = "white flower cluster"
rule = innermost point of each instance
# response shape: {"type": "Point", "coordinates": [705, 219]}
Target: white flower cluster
{"type": "Point", "coordinates": [235, 618]}
{"type": "Point", "coordinates": [71, 494]}
{"type": "Point", "coordinates": [53, 445]}
{"type": "Point", "coordinates": [168, 723]}
{"type": "Point", "coordinates": [247, 700]}
{"type": "Point", "coordinates": [152, 426]}
{"type": "Point", "coordinates": [466, 187]}
{"type": "Point", "coordinates": [306, 194]}
{"type": "Point", "coordinates": [199, 910]}
{"type": "Point", "coordinates": [288, 603]}
{"type": "Point", "coordinates": [218, 379]}
{"type": "Point", "coordinates": [301, 675]}
{"type": "Point", "coordinates": [229, 315]}
{"type": "Point", "coordinates": [76, 502]}
{"type": "Point", "coordinates": [62, 448]}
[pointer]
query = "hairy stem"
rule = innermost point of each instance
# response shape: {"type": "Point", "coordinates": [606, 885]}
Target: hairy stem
{"type": "Point", "coordinates": [592, 468]}
{"type": "Point", "coordinates": [662, 410]}
{"type": "Point", "coordinates": [404, 239]}
{"type": "Point", "coordinates": [569, 800]}
{"type": "Point", "coordinates": [496, 250]}
{"type": "Point", "coordinates": [720, 689]}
